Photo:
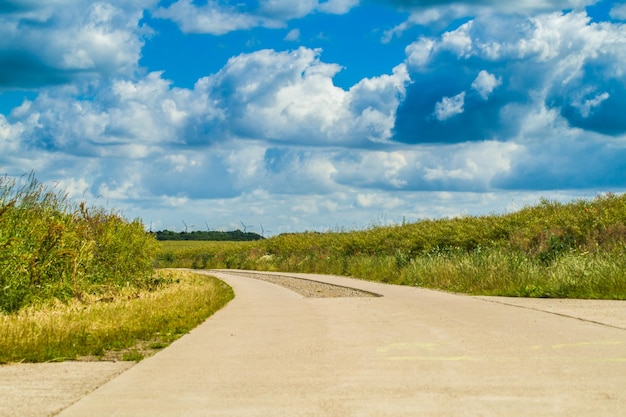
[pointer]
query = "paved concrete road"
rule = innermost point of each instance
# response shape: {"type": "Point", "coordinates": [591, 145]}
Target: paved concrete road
{"type": "Point", "coordinates": [412, 352]}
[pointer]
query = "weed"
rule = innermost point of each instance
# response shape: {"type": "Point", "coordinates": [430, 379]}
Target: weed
{"type": "Point", "coordinates": [132, 356]}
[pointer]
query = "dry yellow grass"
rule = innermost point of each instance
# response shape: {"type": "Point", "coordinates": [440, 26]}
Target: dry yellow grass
{"type": "Point", "coordinates": [130, 321]}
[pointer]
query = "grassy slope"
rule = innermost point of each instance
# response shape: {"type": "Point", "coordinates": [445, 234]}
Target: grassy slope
{"type": "Point", "coordinates": [575, 250]}
{"type": "Point", "coordinates": [78, 280]}
{"type": "Point", "coordinates": [124, 325]}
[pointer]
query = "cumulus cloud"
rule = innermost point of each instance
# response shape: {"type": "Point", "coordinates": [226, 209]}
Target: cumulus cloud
{"type": "Point", "coordinates": [442, 12]}
{"type": "Point", "coordinates": [619, 12]}
{"type": "Point", "coordinates": [560, 61]}
{"type": "Point", "coordinates": [451, 167]}
{"type": "Point", "coordinates": [458, 41]}
{"type": "Point", "coordinates": [574, 162]}
{"type": "Point", "coordinates": [522, 5]}
{"type": "Point", "coordinates": [285, 9]}
{"type": "Point", "coordinates": [218, 19]}
{"type": "Point", "coordinates": [586, 105]}
{"type": "Point", "coordinates": [449, 107]}
{"type": "Point", "coordinates": [211, 18]}
{"type": "Point", "coordinates": [337, 6]}
{"type": "Point", "coordinates": [485, 83]}
{"type": "Point", "coordinates": [148, 133]}
{"type": "Point", "coordinates": [290, 97]}
{"type": "Point", "coordinates": [125, 119]}
{"type": "Point", "coordinates": [420, 52]}
{"type": "Point", "coordinates": [500, 102]}
{"type": "Point", "coordinates": [282, 97]}
{"type": "Point", "coordinates": [293, 35]}
{"type": "Point", "coordinates": [44, 43]}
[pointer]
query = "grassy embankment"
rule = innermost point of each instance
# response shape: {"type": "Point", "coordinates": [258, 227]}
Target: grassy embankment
{"type": "Point", "coordinates": [80, 281]}
{"type": "Point", "coordinates": [575, 250]}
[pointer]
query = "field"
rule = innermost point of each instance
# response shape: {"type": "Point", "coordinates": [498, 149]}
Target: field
{"type": "Point", "coordinates": [78, 281]}
{"type": "Point", "coordinates": [575, 250]}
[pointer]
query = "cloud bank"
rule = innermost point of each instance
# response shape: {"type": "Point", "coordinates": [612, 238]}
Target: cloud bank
{"type": "Point", "coordinates": [484, 115]}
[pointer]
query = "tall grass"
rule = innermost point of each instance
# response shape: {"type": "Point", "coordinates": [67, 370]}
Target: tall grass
{"type": "Point", "coordinates": [78, 280]}
{"type": "Point", "coordinates": [51, 248]}
{"type": "Point", "coordinates": [574, 250]}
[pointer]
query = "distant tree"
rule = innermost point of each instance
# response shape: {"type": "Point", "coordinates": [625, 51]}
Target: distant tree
{"type": "Point", "coordinates": [212, 235]}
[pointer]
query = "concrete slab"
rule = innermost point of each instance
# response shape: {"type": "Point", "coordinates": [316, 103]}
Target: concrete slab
{"type": "Point", "coordinates": [272, 352]}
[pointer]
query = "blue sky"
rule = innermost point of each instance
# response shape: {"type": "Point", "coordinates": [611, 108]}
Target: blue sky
{"type": "Point", "coordinates": [314, 115]}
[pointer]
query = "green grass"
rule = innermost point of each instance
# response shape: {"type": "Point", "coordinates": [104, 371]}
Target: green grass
{"type": "Point", "coordinates": [78, 281]}
{"type": "Point", "coordinates": [126, 325]}
{"type": "Point", "coordinates": [51, 248]}
{"type": "Point", "coordinates": [575, 250]}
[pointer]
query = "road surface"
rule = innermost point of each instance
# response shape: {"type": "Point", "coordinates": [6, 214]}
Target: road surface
{"type": "Point", "coordinates": [412, 352]}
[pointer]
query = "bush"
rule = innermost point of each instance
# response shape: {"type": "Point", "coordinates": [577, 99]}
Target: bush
{"type": "Point", "coordinates": [50, 248]}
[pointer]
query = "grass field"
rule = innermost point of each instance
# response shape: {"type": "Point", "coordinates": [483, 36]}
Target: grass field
{"type": "Point", "coordinates": [575, 250]}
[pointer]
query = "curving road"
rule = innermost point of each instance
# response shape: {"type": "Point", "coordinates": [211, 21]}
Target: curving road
{"type": "Point", "coordinates": [412, 352]}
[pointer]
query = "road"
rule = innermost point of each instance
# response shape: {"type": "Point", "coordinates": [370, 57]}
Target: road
{"type": "Point", "coordinates": [411, 352]}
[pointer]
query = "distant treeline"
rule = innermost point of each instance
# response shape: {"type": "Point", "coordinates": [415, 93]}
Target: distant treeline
{"type": "Point", "coordinates": [214, 235]}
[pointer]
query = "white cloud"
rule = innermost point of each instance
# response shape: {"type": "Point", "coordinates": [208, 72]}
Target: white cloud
{"type": "Point", "coordinates": [563, 63]}
{"type": "Point", "coordinates": [337, 6]}
{"type": "Point", "coordinates": [379, 200]}
{"type": "Point", "coordinates": [549, 34]}
{"type": "Point", "coordinates": [473, 166]}
{"type": "Point", "coordinates": [61, 41]}
{"type": "Point", "coordinates": [389, 170]}
{"type": "Point", "coordinates": [485, 83]}
{"type": "Point", "coordinates": [218, 19]}
{"type": "Point", "coordinates": [420, 52]}
{"type": "Point", "coordinates": [246, 166]}
{"type": "Point", "coordinates": [291, 97]}
{"type": "Point", "coordinates": [284, 96]}
{"type": "Point", "coordinates": [293, 35]}
{"type": "Point", "coordinates": [440, 14]}
{"type": "Point", "coordinates": [271, 138]}
{"type": "Point", "coordinates": [124, 188]}
{"type": "Point", "coordinates": [477, 164]}
{"type": "Point", "coordinates": [423, 17]}
{"type": "Point", "coordinates": [125, 119]}
{"type": "Point", "coordinates": [267, 95]}
{"type": "Point", "coordinates": [287, 9]}
{"type": "Point", "coordinates": [459, 40]}
{"type": "Point", "coordinates": [9, 137]}
{"type": "Point", "coordinates": [586, 105]}
{"type": "Point", "coordinates": [449, 107]}
{"type": "Point", "coordinates": [211, 18]}
{"type": "Point", "coordinates": [76, 188]}
{"type": "Point", "coordinates": [373, 103]}
{"type": "Point", "coordinates": [618, 12]}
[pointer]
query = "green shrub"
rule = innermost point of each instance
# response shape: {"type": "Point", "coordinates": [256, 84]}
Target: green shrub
{"type": "Point", "coordinates": [50, 248]}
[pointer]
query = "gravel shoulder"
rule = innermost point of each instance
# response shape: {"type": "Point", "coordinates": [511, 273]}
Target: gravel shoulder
{"type": "Point", "coordinates": [45, 389]}
{"type": "Point", "coordinates": [306, 287]}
